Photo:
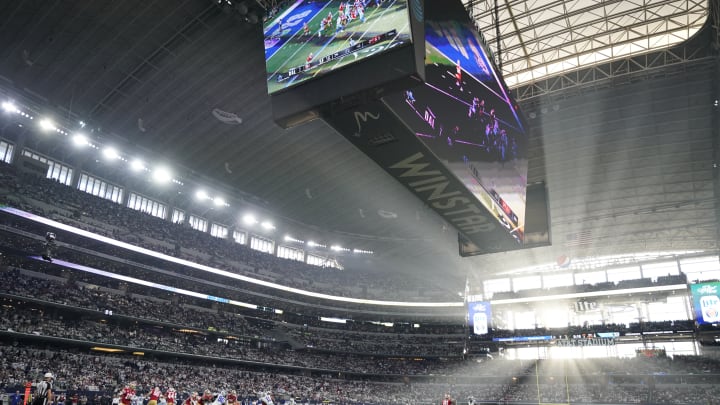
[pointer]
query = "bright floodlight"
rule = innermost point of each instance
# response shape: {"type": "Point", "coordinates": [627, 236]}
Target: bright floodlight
{"type": "Point", "coordinates": [249, 219]}
{"type": "Point", "coordinates": [80, 140]}
{"type": "Point", "coordinates": [137, 165]}
{"type": "Point", "coordinates": [336, 248]}
{"type": "Point", "coordinates": [311, 243]}
{"type": "Point", "coordinates": [219, 202]}
{"type": "Point", "coordinates": [201, 195]}
{"type": "Point", "coordinates": [9, 107]}
{"type": "Point", "coordinates": [162, 175]}
{"type": "Point", "coordinates": [47, 125]}
{"type": "Point", "coordinates": [267, 225]}
{"type": "Point", "coordinates": [110, 153]}
{"type": "Point", "coordinates": [287, 238]}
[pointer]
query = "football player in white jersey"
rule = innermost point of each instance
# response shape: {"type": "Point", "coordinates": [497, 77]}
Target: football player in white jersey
{"type": "Point", "coordinates": [266, 398]}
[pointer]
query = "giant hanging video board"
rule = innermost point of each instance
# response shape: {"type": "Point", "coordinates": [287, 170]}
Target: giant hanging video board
{"type": "Point", "coordinates": [309, 38]}
{"type": "Point", "coordinates": [434, 114]}
{"type": "Point", "coordinates": [466, 117]}
{"type": "Point", "coordinates": [706, 302]}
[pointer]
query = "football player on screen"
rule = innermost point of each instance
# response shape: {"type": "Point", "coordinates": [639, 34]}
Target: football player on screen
{"type": "Point", "coordinates": [458, 75]}
{"type": "Point", "coordinates": [306, 29]}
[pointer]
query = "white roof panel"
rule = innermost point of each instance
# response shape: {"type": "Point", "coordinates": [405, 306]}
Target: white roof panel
{"type": "Point", "coordinates": [544, 38]}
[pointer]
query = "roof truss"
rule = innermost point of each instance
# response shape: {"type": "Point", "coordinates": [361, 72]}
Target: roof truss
{"type": "Point", "coordinates": [544, 38]}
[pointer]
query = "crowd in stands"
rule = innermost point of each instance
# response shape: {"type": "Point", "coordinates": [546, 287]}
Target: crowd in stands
{"type": "Point", "coordinates": [66, 204]}
{"type": "Point", "coordinates": [147, 308]}
{"type": "Point", "coordinates": [324, 387]}
{"type": "Point", "coordinates": [592, 330]}
{"type": "Point", "coordinates": [311, 360]}
{"type": "Point", "coordinates": [76, 371]}
{"type": "Point", "coordinates": [435, 345]}
{"type": "Point", "coordinates": [146, 337]}
{"type": "Point", "coordinates": [170, 310]}
{"type": "Point", "coordinates": [179, 276]}
{"type": "Point", "coordinates": [324, 342]}
{"type": "Point", "coordinates": [148, 311]}
{"type": "Point", "coordinates": [574, 289]}
{"type": "Point", "coordinates": [93, 375]}
{"type": "Point", "coordinates": [149, 303]}
{"type": "Point", "coordinates": [113, 259]}
{"type": "Point", "coordinates": [75, 248]}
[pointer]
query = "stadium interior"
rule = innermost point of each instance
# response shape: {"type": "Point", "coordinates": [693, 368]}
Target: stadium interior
{"type": "Point", "coordinates": [158, 228]}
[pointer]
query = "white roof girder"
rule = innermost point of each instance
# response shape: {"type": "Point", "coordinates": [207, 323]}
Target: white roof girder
{"type": "Point", "coordinates": [540, 38]}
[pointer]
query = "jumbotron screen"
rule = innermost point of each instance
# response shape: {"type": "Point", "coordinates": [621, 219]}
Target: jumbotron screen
{"type": "Point", "coordinates": [706, 302]}
{"type": "Point", "coordinates": [467, 118]}
{"type": "Point", "coordinates": [310, 38]}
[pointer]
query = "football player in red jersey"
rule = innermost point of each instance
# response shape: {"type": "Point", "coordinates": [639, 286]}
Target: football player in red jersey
{"type": "Point", "coordinates": [341, 9]}
{"type": "Point", "coordinates": [208, 398]}
{"type": "Point", "coordinates": [127, 394]}
{"type": "Point", "coordinates": [458, 75]}
{"type": "Point", "coordinates": [193, 399]}
{"type": "Point", "coordinates": [170, 396]}
{"type": "Point", "coordinates": [154, 396]}
{"type": "Point", "coordinates": [232, 397]}
{"type": "Point", "coordinates": [329, 21]}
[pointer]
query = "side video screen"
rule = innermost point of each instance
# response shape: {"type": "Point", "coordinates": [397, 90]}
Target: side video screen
{"type": "Point", "coordinates": [310, 38]}
{"type": "Point", "coordinates": [479, 317]}
{"type": "Point", "coordinates": [467, 118]}
{"type": "Point", "coordinates": [706, 302]}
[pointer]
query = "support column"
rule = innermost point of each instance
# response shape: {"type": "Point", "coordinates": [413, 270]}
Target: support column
{"type": "Point", "coordinates": [715, 111]}
{"type": "Point", "coordinates": [18, 148]}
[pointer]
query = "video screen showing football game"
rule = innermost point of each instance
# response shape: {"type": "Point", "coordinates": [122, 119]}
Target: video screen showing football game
{"type": "Point", "coordinates": [310, 38]}
{"type": "Point", "coordinates": [467, 118]}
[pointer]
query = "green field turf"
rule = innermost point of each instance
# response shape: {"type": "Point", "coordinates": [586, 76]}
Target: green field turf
{"type": "Point", "coordinates": [433, 56]}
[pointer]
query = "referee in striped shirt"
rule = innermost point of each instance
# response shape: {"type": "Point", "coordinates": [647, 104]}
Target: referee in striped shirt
{"type": "Point", "coordinates": [43, 391]}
